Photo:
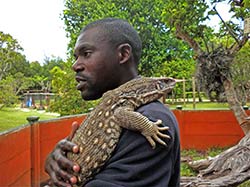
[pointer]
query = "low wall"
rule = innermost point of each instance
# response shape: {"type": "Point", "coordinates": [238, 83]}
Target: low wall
{"type": "Point", "coordinates": [24, 150]}
{"type": "Point", "coordinates": [202, 130]}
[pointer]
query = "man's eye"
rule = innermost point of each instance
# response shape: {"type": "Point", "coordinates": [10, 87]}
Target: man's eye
{"type": "Point", "coordinates": [86, 53]}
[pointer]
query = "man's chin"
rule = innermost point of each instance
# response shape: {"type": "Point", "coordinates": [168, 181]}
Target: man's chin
{"type": "Point", "coordinates": [85, 96]}
{"type": "Point", "coordinates": [88, 96]}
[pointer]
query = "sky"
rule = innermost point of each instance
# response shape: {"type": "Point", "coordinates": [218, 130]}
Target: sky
{"type": "Point", "coordinates": [223, 9]}
{"type": "Point", "coordinates": [37, 26]}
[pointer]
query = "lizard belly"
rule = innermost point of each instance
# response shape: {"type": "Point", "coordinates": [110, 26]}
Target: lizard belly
{"type": "Point", "coordinates": [97, 140]}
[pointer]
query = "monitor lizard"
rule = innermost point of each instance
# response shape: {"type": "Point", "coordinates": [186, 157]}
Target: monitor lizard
{"type": "Point", "coordinates": [100, 131]}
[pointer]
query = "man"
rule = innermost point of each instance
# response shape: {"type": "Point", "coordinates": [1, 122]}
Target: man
{"type": "Point", "coordinates": [107, 54]}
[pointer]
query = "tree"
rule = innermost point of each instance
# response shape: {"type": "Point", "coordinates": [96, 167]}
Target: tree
{"type": "Point", "coordinates": [41, 74]}
{"type": "Point", "coordinates": [20, 83]}
{"type": "Point", "coordinates": [214, 59]}
{"type": "Point", "coordinates": [12, 87]}
{"type": "Point", "coordinates": [13, 70]}
{"type": "Point", "coordinates": [178, 68]}
{"type": "Point", "coordinates": [240, 74]}
{"type": "Point", "coordinates": [7, 94]}
{"type": "Point", "coordinates": [35, 68]}
{"type": "Point", "coordinates": [49, 64]}
{"type": "Point", "coordinates": [214, 62]}
{"type": "Point", "coordinates": [11, 59]}
{"type": "Point", "coordinates": [67, 100]}
{"type": "Point", "coordinates": [158, 44]}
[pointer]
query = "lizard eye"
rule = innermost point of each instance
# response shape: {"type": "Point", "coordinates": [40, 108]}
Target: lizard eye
{"type": "Point", "coordinates": [159, 85]}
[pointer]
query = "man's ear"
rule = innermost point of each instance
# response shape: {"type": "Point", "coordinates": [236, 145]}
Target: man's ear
{"type": "Point", "coordinates": [125, 52]}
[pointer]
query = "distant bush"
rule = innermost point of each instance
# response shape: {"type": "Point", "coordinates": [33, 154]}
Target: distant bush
{"type": "Point", "coordinates": [68, 100]}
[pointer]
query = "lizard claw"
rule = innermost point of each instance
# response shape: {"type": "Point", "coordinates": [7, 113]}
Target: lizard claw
{"type": "Point", "coordinates": [155, 134]}
{"type": "Point", "coordinates": [151, 141]}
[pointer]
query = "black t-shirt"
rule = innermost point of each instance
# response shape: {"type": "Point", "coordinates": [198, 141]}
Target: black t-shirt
{"type": "Point", "coordinates": [135, 164]}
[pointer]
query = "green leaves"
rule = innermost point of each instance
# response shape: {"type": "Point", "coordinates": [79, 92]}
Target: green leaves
{"type": "Point", "coordinates": [9, 43]}
{"type": "Point", "coordinates": [68, 99]}
{"type": "Point", "coordinates": [144, 15]}
{"type": "Point", "coordinates": [10, 56]}
{"type": "Point", "coordinates": [8, 90]}
{"type": "Point", "coordinates": [162, 52]}
{"type": "Point", "coordinates": [214, 50]}
{"type": "Point", "coordinates": [240, 73]}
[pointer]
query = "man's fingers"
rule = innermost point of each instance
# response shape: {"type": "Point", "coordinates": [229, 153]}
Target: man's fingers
{"type": "Point", "coordinates": [73, 180]}
{"type": "Point", "coordinates": [64, 176]}
{"type": "Point", "coordinates": [60, 175]}
{"type": "Point", "coordinates": [76, 168]}
{"type": "Point", "coordinates": [75, 149]}
{"type": "Point", "coordinates": [75, 126]}
{"type": "Point", "coordinates": [57, 182]}
{"type": "Point", "coordinates": [63, 172]}
{"type": "Point", "coordinates": [46, 183]}
{"type": "Point", "coordinates": [67, 146]}
{"type": "Point", "coordinates": [63, 162]}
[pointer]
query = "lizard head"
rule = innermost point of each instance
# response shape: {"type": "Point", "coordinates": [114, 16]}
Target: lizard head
{"type": "Point", "coordinates": [146, 89]}
{"type": "Point", "coordinates": [163, 84]}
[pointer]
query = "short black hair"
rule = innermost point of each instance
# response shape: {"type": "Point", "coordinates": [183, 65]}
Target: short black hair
{"type": "Point", "coordinates": [118, 31]}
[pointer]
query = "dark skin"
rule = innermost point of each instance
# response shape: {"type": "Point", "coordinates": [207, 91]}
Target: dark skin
{"type": "Point", "coordinates": [100, 66]}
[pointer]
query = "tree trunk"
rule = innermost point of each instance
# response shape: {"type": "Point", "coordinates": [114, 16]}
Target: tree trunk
{"type": "Point", "coordinates": [230, 168]}
{"type": "Point", "coordinates": [236, 107]}
{"type": "Point", "coordinates": [228, 54]}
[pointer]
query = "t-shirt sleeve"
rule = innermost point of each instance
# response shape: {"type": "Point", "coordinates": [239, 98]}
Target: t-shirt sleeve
{"type": "Point", "coordinates": [135, 164]}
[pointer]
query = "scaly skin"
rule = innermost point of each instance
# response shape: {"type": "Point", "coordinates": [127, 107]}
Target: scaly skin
{"type": "Point", "coordinates": [98, 135]}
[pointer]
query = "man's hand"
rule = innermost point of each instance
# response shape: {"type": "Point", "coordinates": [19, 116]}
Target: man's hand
{"type": "Point", "coordinates": [61, 170]}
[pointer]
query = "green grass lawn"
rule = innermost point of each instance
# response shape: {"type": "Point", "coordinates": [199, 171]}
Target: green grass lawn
{"type": "Point", "coordinates": [200, 106]}
{"type": "Point", "coordinates": [13, 117]}
{"type": "Point", "coordinates": [192, 155]}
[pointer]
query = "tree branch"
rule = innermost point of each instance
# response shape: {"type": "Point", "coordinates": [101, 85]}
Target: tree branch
{"type": "Point", "coordinates": [228, 28]}
{"type": "Point", "coordinates": [181, 34]}
{"type": "Point", "coordinates": [236, 47]}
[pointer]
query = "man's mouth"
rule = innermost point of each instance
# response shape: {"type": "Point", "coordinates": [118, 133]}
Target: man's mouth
{"type": "Point", "coordinates": [81, 83]}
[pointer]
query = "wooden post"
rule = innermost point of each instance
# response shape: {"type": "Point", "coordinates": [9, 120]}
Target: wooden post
{"type": "Point", "coordinates": [184, 92]}
{"type": "Point", "coordinates": [193, 85]}
{"type": "Point", "coordinates": [35, 151]}
{"type": "Point", "coordinates": [172, 97]}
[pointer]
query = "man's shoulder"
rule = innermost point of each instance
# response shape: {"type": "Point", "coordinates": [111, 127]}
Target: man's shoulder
{"type": "Point", "coordinates": [153, 106]}
{"type": "Point", "coordinates": [136, 159]}
{"type": "Point", "coordinates": [157, 110]}
{"type": "Point", "coordinates": [154, 111]}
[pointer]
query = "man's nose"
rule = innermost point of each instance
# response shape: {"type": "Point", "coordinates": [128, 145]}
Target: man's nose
{"type": "Point", "coordinates": [78, 65]}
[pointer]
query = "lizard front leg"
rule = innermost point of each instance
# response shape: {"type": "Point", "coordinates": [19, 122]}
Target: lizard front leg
{"type": "Point", "coordinates": [135, 121]}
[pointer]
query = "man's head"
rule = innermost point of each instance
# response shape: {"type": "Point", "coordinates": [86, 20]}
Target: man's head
{"type": "Point", "coordinates": [118, 31]}
{"type": "Point", "coordinates": [107, 53]}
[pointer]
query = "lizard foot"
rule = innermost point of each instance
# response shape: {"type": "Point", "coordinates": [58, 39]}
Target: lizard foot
{"type": "Point", "coordinates": [154, 134]}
